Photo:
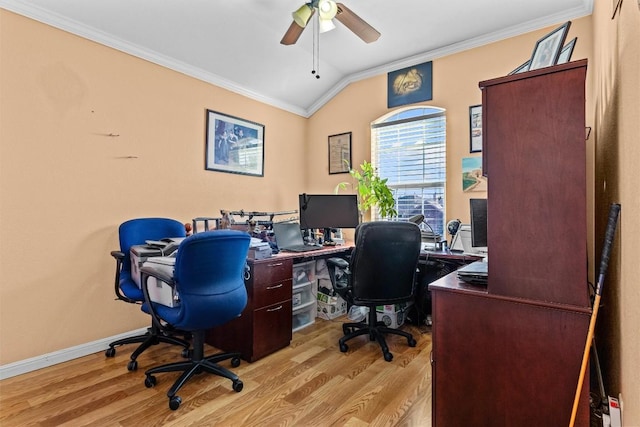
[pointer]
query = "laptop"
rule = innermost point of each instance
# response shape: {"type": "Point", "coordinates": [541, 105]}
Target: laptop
{"type": "Point", "coordinates": [289, 238]}
{"type": "Point", "coordinates": [475, 273]}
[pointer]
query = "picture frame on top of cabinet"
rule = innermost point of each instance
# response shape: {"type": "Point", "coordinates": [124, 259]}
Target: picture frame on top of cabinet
{"type": "Point", "coordinates": [547, 49]}
{"type": "Point", "coordinates": [522, 68]}
{"type": "Point", "coordinates": [567, 50]}
{"type": "Point", "coordinates": [475, 128]}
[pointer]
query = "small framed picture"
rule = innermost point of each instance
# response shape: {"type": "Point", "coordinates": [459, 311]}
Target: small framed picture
{"type": "Point", "coordinates": [340, 153]}
{"type": "Point", "coordinates": [522, 68]}
{"type": "Point", "coordinates": [234, 145]}
{"type": "Point", "coordinates": [547, 49]}
{"type": "Point", "coordinates": [567, 50]}
{"type": "Point", "coordinates": [475, 128]}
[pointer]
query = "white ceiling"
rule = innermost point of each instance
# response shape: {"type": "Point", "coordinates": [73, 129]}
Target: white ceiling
{"type": "Point", "coordinates": [236, 43]}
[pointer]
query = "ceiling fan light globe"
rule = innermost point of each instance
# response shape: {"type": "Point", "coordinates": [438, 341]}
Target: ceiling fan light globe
{"type": "Point", "coordinates": [326, 25]}
{"type": "Point", "coordinates": [327, 9]}
{"type": "Point", "coordinates": [302, 15]}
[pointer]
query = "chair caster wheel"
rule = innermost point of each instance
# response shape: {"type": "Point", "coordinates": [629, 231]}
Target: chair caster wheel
{"type": "Point", "coordinates": [186, 353]}
{"type": "Point", "coordinates": [237, 386]}
{"type": "Point", "coordinates": [174, 402]}
{"type": "Point", "coordinates": [111, 352]}
{"type": "Point", "coordinates": [150, 381]}
{"type": "Point", "coordinates": [346, 330]}
{"type": "Point", "coordinates": [344, 348]}
{"type": "Point", "coordinates": [388, 357]}
{"type": "Point", "coordinates": [235, 362]}
{"type": "Point", "coordinates": [412, 342]}
{"type": "Point", "coordinates": [132, 365]}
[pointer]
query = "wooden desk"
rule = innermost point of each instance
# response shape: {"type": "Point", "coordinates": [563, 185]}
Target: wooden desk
{"type": "Point", "coordinates": [265, 325]}
{"type": "Point", "coordinates": [507, 361]}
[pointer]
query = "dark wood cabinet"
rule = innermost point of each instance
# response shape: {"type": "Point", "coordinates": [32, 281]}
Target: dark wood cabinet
{"type": "Point", "coordinates": [265, 324]}
{"type": "Point", "coordinates": [510, 353]}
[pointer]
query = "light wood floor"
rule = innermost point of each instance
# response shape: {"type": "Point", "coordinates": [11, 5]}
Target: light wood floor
{"type": "Point", "coordinates": [309, 383]}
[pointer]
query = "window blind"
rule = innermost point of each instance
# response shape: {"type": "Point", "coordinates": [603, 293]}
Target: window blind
{"type": "Point", "coordinates": [409, 149]}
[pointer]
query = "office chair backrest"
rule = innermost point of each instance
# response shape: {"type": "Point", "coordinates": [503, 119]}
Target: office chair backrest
{"type": "Point", "coordinates": [136, 231]}
{"type": "Point", "coordinates": [209, 275]}
{"type": "Point", "coordinates": [384, 261]}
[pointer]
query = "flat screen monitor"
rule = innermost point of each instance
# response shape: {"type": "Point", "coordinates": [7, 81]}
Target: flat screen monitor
{"type": "Point", "coordinates": [328, 211]}
{"type": "Point", "coordinates": [478, 223]}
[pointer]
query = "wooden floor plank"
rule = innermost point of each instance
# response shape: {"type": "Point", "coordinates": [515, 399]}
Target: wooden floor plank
{"type": "Point", "coordinates": [309, 383]}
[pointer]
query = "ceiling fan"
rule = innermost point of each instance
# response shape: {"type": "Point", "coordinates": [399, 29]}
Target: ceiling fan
{"type": "Point", "coordinates": [327, 10]}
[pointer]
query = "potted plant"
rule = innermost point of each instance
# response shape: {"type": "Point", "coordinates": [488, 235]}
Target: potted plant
{"type": "Point", "coordinates": [372, 191]}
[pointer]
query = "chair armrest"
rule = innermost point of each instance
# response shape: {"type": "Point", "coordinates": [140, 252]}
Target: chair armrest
{"type": "Point", "coordinates": [338, 262]}
{"type": "Point", "coordinates": [160, 275]}
{"type": "Point", "coordinates": [119, 256]}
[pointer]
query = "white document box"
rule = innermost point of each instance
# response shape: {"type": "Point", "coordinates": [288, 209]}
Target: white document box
{"type": "Point", "coordinates": [140, 253]}
{"type": "Point", "coordinates": [159, 291]}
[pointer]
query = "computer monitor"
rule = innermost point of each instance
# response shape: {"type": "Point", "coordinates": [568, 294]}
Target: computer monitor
{"type": "Point", "coordinates": [328, 211]}
{"type": "Point", "coordinates": [479, 224]}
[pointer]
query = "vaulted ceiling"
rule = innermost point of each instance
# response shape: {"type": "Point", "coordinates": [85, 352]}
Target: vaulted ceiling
{"type": "Point", "coordinates": [235, 44]}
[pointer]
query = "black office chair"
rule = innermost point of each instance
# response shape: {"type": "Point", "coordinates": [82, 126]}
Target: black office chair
{"type": "Point", "coordinates": [135, 232]}
{"type": "Point", "coordinates": [209, 280]}
{"type": "Point", "coordinates": [381, 270]}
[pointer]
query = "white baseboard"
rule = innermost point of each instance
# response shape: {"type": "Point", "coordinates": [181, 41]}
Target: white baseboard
{"type": "Point", "coordinates": [23, 366]}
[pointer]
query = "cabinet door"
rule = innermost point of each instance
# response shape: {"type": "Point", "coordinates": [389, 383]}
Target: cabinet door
{"type": "Point", "coordinates": [504, 363]}
{"type": "Point", "coordinates": [271, 328]}
{"type": "Point", "coordinates": [535, 152]}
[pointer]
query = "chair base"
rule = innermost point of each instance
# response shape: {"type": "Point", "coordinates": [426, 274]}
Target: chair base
{"type": "Point", "coordinates": [153, 337]}
{"type": "Point", "coordinates": [376, 331]}
{"type": "Point", "coordinates": [196, 365]}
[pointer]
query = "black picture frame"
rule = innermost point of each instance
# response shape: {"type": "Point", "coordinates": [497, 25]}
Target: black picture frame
{"type": "Point", "coordinates": [475, 129]}
{"type": "Point", "coordinates": [234, 145]}
{"type": "Point", "coordinates": [567, 50]}
{"type": "Point", "coordinates": [522, 68]}
{"type": "Point", "coordinates": [547, 49]}
{"type": "Point", "coordinates": [340, 153]}
{"type": "Point", "coordinates": [410, 85]}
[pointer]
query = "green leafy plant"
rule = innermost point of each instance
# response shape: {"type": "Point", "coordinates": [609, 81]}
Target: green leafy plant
{"type": "Point", "coordinates": [373, 191]}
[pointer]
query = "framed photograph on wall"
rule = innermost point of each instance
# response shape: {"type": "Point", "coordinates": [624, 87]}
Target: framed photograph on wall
{"type": "Point", "coordinates": [410, 85]}
{"type": "Point", "coordinates": [547, 49]}
{"type": "Point", "coordinates": [340, 153]}
{"type": "Point", "coordinates": [234, 145]}
{"type": "Point", "coordinates": [475, 128]}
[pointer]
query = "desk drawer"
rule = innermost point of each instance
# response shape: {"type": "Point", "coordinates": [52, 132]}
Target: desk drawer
{"type": "Point", "coordinates": [271, 293]}
{"type": "Point", "coordinates": [271, 271]}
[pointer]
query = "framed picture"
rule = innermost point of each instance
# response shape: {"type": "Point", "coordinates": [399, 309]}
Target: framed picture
{"type": "Point", "coordinates": [547, 49]}
{"type": "Point", "coordinates": [234, 145]}
{"type": "Point", "coordinates": [410, 85]}
{"type": "Point", "coordinates": [475, 128]}
{"type": "Point", "coordinates": [340, 153]}
{"type": "Point", "coordinates": [567, 50]}
{"type": "Point", "coordinates": [522, 68]}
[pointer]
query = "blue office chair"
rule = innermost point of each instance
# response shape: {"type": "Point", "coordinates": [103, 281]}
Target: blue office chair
{"type": "Point", "coordinates": [382, 270]}
{"type": "Point", "coordinates": [208, 277]}
{"type": "Point", "coordinates": [135, 232]}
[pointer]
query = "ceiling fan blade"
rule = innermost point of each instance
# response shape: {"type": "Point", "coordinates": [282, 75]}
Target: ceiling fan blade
{"type": "Point", "coordinates": [356, 24]}
{"type": "Point", "coordinates": [292, 34]}
{"type": "Point", "coordinates": [294, 31]}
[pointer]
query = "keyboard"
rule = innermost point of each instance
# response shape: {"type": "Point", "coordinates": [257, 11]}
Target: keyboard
{"type": "Point", "coordinates": [301, 248]}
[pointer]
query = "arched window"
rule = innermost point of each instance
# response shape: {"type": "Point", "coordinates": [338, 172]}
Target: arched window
{"type": "Point", "coordinates": [408, 147]}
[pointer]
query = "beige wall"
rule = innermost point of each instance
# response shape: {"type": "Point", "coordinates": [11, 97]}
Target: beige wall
{"type": "Point", "coordinates": [65, 185]}
{"type": "Point", "coordinates": [617, 126]}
